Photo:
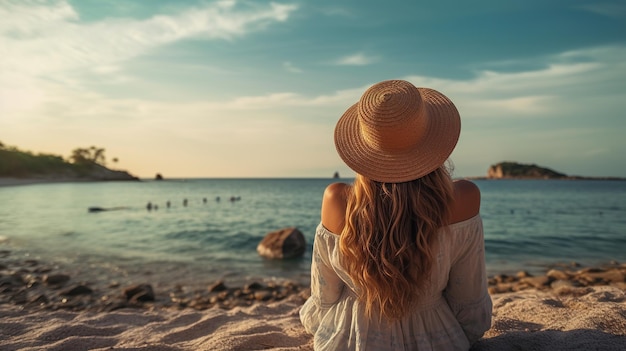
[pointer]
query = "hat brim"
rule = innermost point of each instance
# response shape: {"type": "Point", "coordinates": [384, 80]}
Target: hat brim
{"type": "Point", "coordinates": [440, 139]}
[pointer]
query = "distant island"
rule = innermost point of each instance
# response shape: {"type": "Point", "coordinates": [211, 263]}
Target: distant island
{"type": "Point", "coordinates": [514, 170]}
{"type": "Point", "coordinates": [84, 164]}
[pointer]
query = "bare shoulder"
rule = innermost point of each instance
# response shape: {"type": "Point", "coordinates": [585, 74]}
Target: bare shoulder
{"type": "Point", "coordinates": [336, 189]}
{"type": "Point", "coordinates": [334, 206]}
{"type": "Point", "coordinates": [466, 200]}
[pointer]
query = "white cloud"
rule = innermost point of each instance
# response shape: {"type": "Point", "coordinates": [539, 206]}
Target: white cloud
{"type": "Point", "coordinates": [358, 59]}
{"type": "Point", "coordinates": [47, 44]}
{"type": "Point", "coordinates": [24, 19]}
{"type": "Point", "coordinates": [57, 42]}
{"type": "Point", "coordinates": [563, 87]}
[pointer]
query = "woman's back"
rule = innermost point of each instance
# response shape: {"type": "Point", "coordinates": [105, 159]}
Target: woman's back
{"type": "Point", "coordinates": [452, 312]}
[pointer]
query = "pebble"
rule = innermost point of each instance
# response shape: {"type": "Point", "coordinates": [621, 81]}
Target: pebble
{"type": "Point", "coordinates": [56, 279]}
{"type": "Point", "coordinates": [139, 293]}
{"type": "Point", "coordinates": [217, 286]}
{"type": "Point", "coordinates": [77, 290]}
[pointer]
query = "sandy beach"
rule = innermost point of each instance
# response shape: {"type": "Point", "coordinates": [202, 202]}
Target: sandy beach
{"type": "Point", "coordinates": [586, 319]}
{"type": "Point", "coordinates": [570, 309]}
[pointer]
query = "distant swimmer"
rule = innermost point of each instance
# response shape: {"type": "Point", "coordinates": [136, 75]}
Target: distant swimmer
{"type": "Point", "coordinates": [185, 202]}
{"type": "Point", "coordinates": [149, 206]}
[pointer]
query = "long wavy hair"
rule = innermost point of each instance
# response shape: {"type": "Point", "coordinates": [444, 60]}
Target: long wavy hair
{"type": "Point", "coordinates": [387, 243]}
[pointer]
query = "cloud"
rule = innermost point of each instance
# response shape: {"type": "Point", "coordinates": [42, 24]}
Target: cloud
{"type": "Point", "coordinates": [47, 44]}
{"type": "Point", "coordinates": [358, 59]}
{"type": "Point", "coordinates": [564, 86]}
{"type": "Point", "coordinates": [56, 37]}
{"type": "Point", "coordinates": [24, 19]}
{"type": "Point", "coordinates": [561, 89]}
{"type": "Point", "coordinates": [291, 68]}
{"type": "Point", "coordinates": [614, 10]}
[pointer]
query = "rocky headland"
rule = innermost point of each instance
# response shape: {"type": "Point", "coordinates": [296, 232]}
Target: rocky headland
{"type": "Point", "coordinates": [18, 167]}
{"type": "Point", "coordinates": [514, 170]}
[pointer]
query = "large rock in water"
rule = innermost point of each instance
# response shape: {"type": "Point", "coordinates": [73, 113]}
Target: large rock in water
{"type": "Point", "coordinates": [512, 170]}
{"type": "Point", "coordinates": [284, 243]}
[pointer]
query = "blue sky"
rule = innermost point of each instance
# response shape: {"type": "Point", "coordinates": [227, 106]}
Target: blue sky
{"type": "Point", "coordinates": [254, 88]}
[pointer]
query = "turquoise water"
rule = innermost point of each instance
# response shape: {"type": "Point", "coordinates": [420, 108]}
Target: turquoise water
{"type": "Point", "coordinates": [528, 225]}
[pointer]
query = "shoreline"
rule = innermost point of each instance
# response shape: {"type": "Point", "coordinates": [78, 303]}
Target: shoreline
{"type": "Point", "coordinates": [13, 181]}
{"type": "Point", "coordinates": [28, 181]}
{"type": "Point", "coordinates": [44, 308]}
{"type": "Point", "coordinates": [39, 285]}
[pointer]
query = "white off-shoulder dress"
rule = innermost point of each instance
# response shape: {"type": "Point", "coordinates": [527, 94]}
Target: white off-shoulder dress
{"type": "Point", "coordinates": [454, 312]}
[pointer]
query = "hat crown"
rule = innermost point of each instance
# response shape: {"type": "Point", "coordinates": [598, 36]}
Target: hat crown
{"type": "Point", "coordinates": [397, 133]}
{"type": "Point", "coordinates": [392, 116]}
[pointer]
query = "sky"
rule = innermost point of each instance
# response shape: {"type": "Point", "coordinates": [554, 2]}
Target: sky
{"type": "Point", "coordinates": [254, 88]}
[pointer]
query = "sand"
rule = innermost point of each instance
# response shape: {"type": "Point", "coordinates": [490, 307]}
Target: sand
{"type": "Point", "coordinates": [592, 318]}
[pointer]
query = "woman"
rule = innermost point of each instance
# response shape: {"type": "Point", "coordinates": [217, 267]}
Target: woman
{"type": "Point", "coordinates": [398, 258]}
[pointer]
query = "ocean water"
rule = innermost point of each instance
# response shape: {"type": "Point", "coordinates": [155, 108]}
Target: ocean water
{"type": "Point", "coordinates": [529, 224]}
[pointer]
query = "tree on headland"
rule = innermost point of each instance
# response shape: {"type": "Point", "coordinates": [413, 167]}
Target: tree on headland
{"type": "Point", "coordinates": [88, 156]}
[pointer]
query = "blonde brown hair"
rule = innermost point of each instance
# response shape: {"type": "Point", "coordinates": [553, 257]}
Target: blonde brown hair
{"type": "Point", "coordinates": [387, 241]}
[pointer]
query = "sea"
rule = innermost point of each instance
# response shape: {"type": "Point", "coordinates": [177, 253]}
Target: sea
{"type": "Point", "coordinates": [188, 231]}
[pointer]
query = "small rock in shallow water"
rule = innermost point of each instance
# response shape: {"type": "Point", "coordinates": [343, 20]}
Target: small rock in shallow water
{"type": "Point", "coordinates": [252, 286]}
{"type": "Point", "coordinates": [558, 274]}
{"type": "Point", "coordinates": [56, 279]}
{"type": "Point", "coordinates": [217, 286]}
{"type": "Point", "coordinates": [523, 274]}
{"type": "Point", "coordinates": [262, 295]}
{"type": "Point", "coordinates": [77, 290]}
{"type": "Point", "coordinates": [20, 297]}
{"type": "Point", "coordinates": [140, 292]}
{"type": "Point", "coordinates": [40, 299]}
{"type": "Point", "coordinates": [537, 282]}
{"type": "Point", "coordinates": [11, 280]}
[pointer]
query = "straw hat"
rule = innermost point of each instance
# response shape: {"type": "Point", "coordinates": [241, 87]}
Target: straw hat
{"type": "Point", "coordinates": [397, 132]}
